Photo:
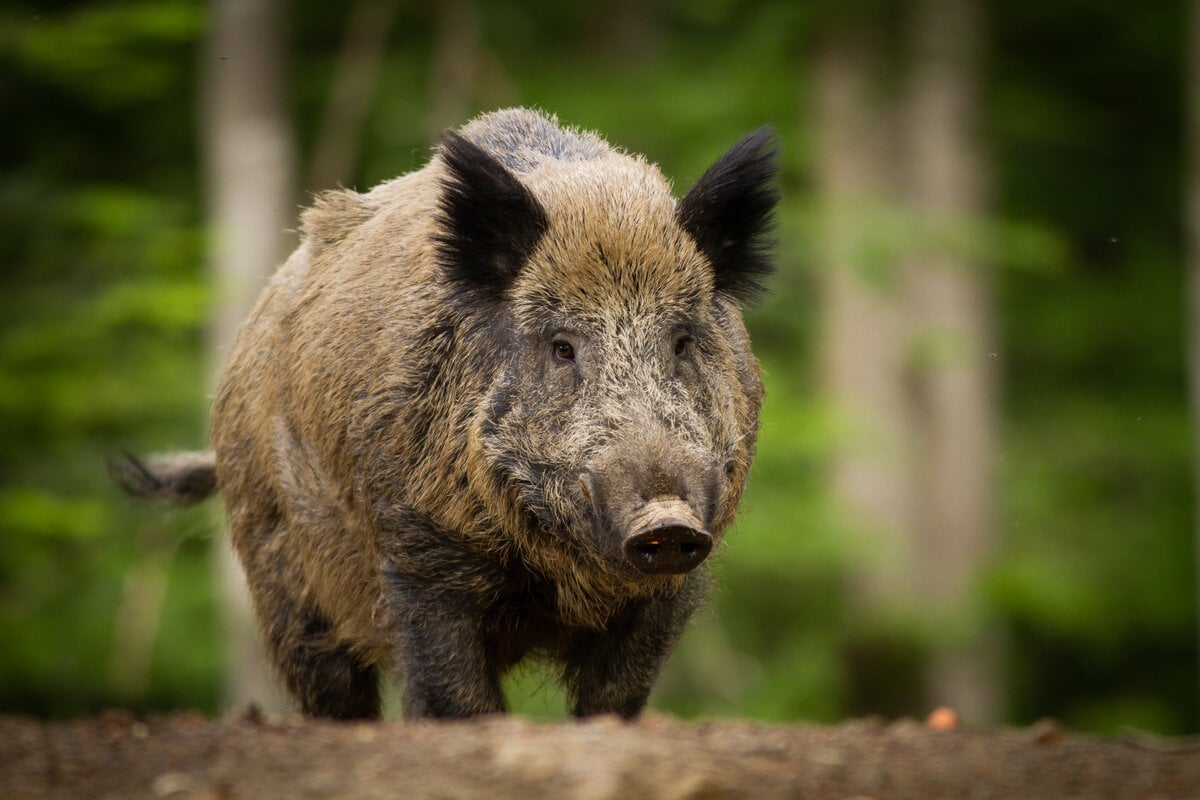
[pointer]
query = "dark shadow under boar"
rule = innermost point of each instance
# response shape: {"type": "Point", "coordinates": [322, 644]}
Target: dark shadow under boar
{"type": "Point", "coordinates": [504, 405]}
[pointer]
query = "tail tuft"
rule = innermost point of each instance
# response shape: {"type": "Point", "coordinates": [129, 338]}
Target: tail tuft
{"type": "Point", "coordinates": [180, 479]}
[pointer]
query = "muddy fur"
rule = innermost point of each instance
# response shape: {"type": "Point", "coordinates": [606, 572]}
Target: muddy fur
{"type": "Point", "coordinates": [409, 421]}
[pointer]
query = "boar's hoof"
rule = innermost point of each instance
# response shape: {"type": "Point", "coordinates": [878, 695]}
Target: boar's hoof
{"type": "Point", "coordinates": [667, 547]}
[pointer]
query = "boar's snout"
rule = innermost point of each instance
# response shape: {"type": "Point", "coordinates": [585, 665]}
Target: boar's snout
{"type": "Point", "coordinates": [666, 539]}
{"type": "Point", "coordinates": [655, 535]}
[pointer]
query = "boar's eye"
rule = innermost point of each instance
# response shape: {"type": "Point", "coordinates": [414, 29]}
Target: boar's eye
{"type": "Point", "coordinates": [681, 346]}
{"type": "Point", "coordinates": [563, 351]}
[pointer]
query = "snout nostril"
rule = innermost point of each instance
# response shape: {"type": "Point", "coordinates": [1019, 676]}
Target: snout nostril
{"type": "Point", "coordinates": [648, 551]}
{"type": "Point", "coordinates": [668, 549]}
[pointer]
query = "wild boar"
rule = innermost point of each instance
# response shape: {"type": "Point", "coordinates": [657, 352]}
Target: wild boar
{"type": "Point", "coordinates": [504, 405]}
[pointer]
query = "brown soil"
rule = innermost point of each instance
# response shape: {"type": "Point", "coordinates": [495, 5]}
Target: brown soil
{"type": "Point", "coordinates": [189, 757]}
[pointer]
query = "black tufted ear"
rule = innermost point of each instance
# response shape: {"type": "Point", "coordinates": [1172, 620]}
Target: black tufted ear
{"type": "Point", "coordinates": [730, 211]}
{"type": "Point", "coordinates": [489, 222]}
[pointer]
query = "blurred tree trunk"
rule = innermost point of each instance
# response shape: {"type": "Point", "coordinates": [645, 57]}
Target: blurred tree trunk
{"type": "Point", "coordinates": [863, 340]}
{"type": "Point", "coordinates": [466, 75]}
{"type": "Point", "coordinates": [627, 32]}
{"type": "Point", "coordinates": [456, 65]}
{"type": "Point", "coordinates": [339, 139]}
{"type": "Point", "coordinates": [136, 624]}
{"type": "Point", "coordinates": [953, 358]}
{"type": "Point", "coordinates": [249, 165]}
{"type": "Point", "coordinates": [906, 353]}
{"type": "Point", "coordinates": [864, 323]}
{"type": "Point", "coordinates": [1192, 249]}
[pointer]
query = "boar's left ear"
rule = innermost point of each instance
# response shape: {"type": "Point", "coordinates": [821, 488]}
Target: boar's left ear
{"type": "Point", "coordinates": [730, 211]}
{"type": "Point", "coordinates": [489, 221]}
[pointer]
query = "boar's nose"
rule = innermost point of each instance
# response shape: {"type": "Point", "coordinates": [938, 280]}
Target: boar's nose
{"type": "Point", "coordinates": [666, 538]}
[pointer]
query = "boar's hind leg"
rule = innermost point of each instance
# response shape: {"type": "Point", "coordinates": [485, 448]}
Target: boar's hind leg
{"type": "Point", "coordinates": [325, 677]}
{"type": "Point", "coordinates": [613, 671]}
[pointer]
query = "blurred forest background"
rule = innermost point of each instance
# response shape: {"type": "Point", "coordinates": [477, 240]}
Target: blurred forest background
{"type": "Point", "coordinates": [974, 483]}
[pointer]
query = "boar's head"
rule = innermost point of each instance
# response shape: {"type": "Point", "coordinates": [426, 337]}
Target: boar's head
{"type": "Point", "coordinates": [623, 402]}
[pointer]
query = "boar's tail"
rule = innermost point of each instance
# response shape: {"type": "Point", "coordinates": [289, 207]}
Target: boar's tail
{"type": "Point", "coordinates": [179, 478]}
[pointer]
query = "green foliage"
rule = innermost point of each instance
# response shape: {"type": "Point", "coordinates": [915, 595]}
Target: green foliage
{"type": "Point", "coordinates": [109, 54]}
{"type": "Point", "coordinates": [104, 299]}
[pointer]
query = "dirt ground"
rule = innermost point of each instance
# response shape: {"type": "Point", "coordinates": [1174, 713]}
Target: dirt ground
{"type": "Point", "coordinates": [190, 757]}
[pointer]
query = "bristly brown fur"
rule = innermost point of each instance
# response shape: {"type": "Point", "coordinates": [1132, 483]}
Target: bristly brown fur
{"type": "Point", "coordinates": [448, 403]}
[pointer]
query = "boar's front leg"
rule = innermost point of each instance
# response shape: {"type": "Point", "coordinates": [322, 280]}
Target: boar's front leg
{"type": "Point", "coordinates": [447, 670]}
{"type": "Point", "coordinates": [437, 591]}
{"type": "Point", "coordinates": [613, 671]}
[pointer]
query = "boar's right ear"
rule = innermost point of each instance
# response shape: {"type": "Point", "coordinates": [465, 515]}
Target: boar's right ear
{"type": "Point", "coordinates": [729, 213]}
{"type": "Point", "coordinates": [489, 221]}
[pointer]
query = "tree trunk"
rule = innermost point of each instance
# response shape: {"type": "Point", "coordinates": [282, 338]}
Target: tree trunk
{"type": "Point", "coordinates": [136, 624]}
{"type": "Point", "coordinates": [339, 141]}
{"type": "Point", "coordinates": [863, 345]}
{"type": "Point", "coordinates": [626, 32]}
{"type": "Point", "coordinates": [249, 164]}
{"type": "Point", "coordinates": [864, 325]}
{"type": "Point", "coordinates": [954, 354]}
{"type": "Point", "coordinates": [908, 357]}
{"type": "Point", "coordinates": [456, 65]}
